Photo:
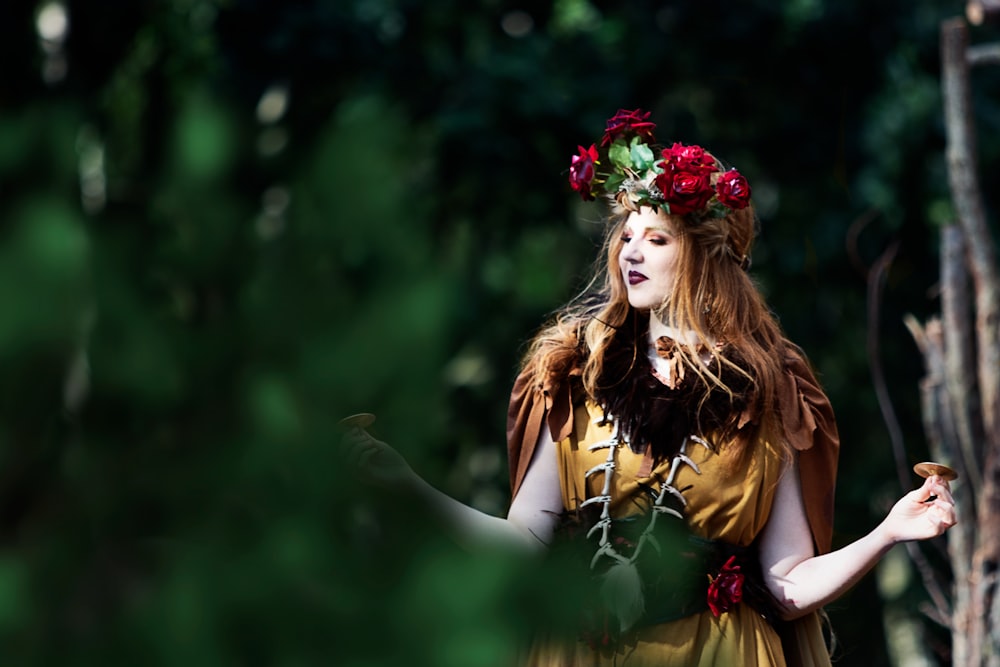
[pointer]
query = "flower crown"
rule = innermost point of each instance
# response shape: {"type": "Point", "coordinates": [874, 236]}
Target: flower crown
{"type": "Point", "coordinates": [686, 180]}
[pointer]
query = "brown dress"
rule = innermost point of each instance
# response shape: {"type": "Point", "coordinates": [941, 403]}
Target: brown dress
{"type": "Point", "coordinates": [722, 504]}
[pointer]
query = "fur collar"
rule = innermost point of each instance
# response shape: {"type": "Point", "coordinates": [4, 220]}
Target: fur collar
{"type": "Point", "coordinates": [660, 409]}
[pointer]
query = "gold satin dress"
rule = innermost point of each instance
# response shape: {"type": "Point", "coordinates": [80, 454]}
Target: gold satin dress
{"type": "Point", "coordinates": [731, 505]}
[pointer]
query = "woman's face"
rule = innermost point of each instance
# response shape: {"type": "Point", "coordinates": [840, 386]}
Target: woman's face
{"type": "Point", "coordinates": [648, 258]}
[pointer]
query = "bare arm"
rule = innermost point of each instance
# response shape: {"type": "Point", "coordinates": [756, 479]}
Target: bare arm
{"type": "Point", "coordinates": [803, 581]}
{"type": "Point", "coordinates": [533, 513]}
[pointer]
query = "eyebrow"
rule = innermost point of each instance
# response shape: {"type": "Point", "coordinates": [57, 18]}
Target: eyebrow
{"type": "Point", "coordinates": [651, 228]}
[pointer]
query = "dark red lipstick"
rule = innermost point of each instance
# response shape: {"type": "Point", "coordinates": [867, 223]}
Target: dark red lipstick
{"type": "Point", "coordinates": [634, 278]}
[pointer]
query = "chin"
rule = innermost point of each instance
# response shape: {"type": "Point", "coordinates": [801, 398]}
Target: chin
{"type": "Point", "coordinates": [642, 306]}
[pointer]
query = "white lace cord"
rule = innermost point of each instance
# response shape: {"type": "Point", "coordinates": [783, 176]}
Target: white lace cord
{"type": "Point", "coordinates": [605, 547]}
{"type": "Point", "coordinates": [680, 458]}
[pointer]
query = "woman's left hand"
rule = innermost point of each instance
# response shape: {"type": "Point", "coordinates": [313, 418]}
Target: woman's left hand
{"type": "Point", "coordinates": [923, 513]}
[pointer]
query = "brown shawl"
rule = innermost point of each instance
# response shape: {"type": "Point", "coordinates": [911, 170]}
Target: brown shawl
{"type": "Point", "coordinates": [806, 416]}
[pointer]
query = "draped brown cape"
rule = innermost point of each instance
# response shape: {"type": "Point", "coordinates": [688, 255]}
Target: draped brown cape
{"type": "Point", "coordinates": [807, 420]}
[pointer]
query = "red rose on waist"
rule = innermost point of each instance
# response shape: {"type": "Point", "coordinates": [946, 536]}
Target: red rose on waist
{"type": "Point", "coordinates": [725, 590]}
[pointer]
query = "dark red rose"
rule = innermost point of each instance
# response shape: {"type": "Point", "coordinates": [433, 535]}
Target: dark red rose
{"type": "Point", "coordinates": [725, 590]}
{"type": "Point", "coordinates": [625, 122]}
{"type": "Point", "coordinates": [581, 171]}
{"type": "Point", "coordinates": [733, 189]}
{"type": "Point", "coordinates": [685, 191]}
{"type": "Point", "coordinates": [688, 158]}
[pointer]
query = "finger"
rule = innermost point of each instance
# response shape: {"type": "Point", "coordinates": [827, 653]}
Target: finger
{"type": "Point", "coordinates": [367, 458]}
{"type": "Point", "coordinates": [946, 498]}
{"type": "Point", "coordinates": [367, 462]}
{"type": "Point", "coordinates": [361, 446]}
{"type": "Point", "coordinates": [357, 431]}
{"type": "Point", "coordinates": [358, 438]}
{"type": "Point", "coordinates": [941, 501]}
{"type": "Point", "coordinates": [943, 516]}
{"type": "Point", "coordinates": [944, 493]}
{"type": "Point", "coordinates": [938, 481]}
{"type": "Point", "coordinates": [352, 442]}
{"type": "Point", "coordinates": [925, 493]}
{"type": "Point", "coordinates": [941, 484]}
{"type": "Point", "coordinates": [940, 489]}
{"type": "Point", "coordinates": [350, 439]}
{"type": "Point", "coordinates": [934, 487]}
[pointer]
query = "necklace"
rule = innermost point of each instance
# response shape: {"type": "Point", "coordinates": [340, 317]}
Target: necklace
{"type": "Point", "coordinates": [622, 586]}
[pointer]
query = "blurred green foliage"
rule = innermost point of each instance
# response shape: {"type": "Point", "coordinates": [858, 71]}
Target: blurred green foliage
{"type": "Point", "coordinates": [228, 224]}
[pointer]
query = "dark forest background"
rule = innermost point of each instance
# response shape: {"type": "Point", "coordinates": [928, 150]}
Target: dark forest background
{"type": "Point", "coordinates": [228, 224]}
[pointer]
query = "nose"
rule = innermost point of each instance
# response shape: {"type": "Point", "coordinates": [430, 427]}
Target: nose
{"type": "Point", "coordinates": [630, 251]}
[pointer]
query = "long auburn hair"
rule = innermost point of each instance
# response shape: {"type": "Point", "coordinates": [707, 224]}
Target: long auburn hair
{"type": "Point", "coordinates": [713, 297]}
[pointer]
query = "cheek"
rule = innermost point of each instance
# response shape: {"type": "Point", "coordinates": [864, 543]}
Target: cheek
{"type": "Point", "coordinates": [668, 275]}
{"type": "Point", "coordinates": [672, 262]}
{"type": "Point", "coordinates": [667, 263]}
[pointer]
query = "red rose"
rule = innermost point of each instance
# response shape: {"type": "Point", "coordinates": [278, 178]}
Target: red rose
{"type": "Point", "coordinates": [688, 158]}
{"type": "Point", "coordinates": [733, 189]}
{"type": "Point", "coordinates": [625, 122]}
{"type": "Point", "coordinates": [581, 171]}
{"type": "Point", "coordinates": [726, 589]}
{"type": "Point", "coordinates": [685, 191]}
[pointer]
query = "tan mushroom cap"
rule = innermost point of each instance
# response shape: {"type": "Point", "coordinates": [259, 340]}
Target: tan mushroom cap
{"type": "Point", "coordinates": [928, 468]}
{"type": "Point", "coordinates": [360, 420]}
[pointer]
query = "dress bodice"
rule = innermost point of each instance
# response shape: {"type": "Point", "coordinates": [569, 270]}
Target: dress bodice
{"type": "Point", "coordinates": [724, 501]}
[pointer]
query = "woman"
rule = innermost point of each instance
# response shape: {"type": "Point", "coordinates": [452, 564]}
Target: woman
{"type": "Point", "coordinates": [664, 432]}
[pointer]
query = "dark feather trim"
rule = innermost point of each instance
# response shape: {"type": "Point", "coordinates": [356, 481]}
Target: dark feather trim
{"type": "Point", "coordinates": [651, 413]}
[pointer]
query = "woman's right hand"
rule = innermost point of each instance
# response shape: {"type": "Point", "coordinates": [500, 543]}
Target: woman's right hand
{"type": "Point", "coordinates": [377, 462]}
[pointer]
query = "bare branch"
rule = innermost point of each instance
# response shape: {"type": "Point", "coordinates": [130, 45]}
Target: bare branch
{"type": "Point", "coordinates": [876, 279]}
{"type": "Point", "coordinates": [984, 54]}
{"type": "Point", "coordinates": [981, 639]}
{"type": "Point", "coordinates": [968, 201]}
{"type": "Point", "coordinates": [959, 358]}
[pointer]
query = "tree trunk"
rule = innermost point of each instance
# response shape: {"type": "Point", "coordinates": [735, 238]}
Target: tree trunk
{"type": "Point", "coordinates": [961, 393]}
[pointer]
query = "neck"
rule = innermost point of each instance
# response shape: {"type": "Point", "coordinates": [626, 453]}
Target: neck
{"type": "Point", "coordinates": [658, 327]}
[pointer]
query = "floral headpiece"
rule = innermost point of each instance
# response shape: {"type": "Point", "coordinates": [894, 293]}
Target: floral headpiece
{"type": "Point", "coordinates": [684, 180]}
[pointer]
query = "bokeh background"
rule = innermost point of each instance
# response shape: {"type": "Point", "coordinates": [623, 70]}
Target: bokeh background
{"type": "Point", "coordinates": [226, 224]}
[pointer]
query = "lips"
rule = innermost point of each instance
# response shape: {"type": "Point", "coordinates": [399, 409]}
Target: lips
{"type": "Point", "coordinates": [634, 278]}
